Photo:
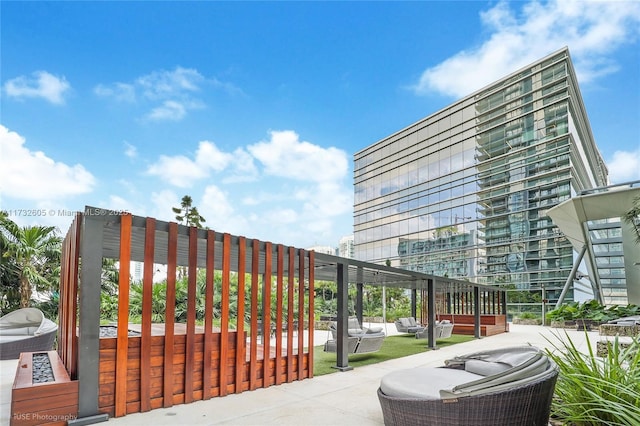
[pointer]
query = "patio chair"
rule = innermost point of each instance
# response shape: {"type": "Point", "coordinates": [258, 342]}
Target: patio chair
{"type": "Point", "coordinates": [360, 339]}
{"type": "Point", "coordinates": [408, 325]}
{"type": "Point", "coordinates": [505, 387]}
{"type": "Point", "coordinates": [25, 330]}
{"type": "Point", "coordinates": [443, 330]}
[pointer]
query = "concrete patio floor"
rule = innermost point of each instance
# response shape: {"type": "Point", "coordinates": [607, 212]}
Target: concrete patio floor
{"type": "Point", "coordinates": [341, 398]}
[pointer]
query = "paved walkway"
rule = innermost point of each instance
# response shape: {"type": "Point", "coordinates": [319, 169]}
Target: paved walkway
{"type": "Point", "coordinates": [341, 398]}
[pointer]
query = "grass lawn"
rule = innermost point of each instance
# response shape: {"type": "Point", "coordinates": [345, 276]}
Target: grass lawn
{"type": "Point", "coordinates": [392, 347]}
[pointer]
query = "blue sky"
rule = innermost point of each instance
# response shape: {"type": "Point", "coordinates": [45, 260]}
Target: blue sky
{"type": "Point", "coordinates": [255, 109]}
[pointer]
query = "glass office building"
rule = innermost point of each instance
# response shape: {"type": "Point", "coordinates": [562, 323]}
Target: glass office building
{"type": "Point", "coordinates": [464, 192]}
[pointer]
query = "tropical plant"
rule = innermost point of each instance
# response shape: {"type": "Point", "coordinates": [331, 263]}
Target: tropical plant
{"type": "Point", "coordinates": [9, 281]}
{"type": "Point", "coordinates": [632, 217]}
{"type": "Point", "coordinates": [591, 310]}
{"type": "Point", "coordinates": [594, 391]}
{"type": "Point", "coordinates": [187, 214]}
{"type": "Point", "coordinates": [32, 253]}
{"type": "Point", "coordinates": [110, 276]}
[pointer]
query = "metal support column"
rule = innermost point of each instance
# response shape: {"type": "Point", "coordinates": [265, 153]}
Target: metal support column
{"type": "Point", "coordinates": [359, 292]}
{"type": "Point", "coordinates": [476, 312]}
{"type": "Point", "coordinates": [414, 303]}
{"type": "Point", "coordinates": [572, 275]}
{"type": "Point", "coordinates": [342, 347]}
{"type": "Point", "coordinates": [431, 303]}
{"type": "Point", "coordinates": [89, 318]}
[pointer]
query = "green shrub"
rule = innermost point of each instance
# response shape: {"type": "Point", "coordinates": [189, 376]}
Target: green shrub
{"type": "Point", "coordinates": [596, 391]}
{"type": "Point", "coordinates": [591, 310]}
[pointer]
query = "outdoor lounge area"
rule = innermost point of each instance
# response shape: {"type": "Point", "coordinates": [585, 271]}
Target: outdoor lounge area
{"type": "Point", "coordinates": [348, 398]}
{"type": "Point", "coordinates": [266, 340]}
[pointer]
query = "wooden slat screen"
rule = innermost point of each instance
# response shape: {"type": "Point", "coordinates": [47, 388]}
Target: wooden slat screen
{"type": "Point", "coordinates": [256, 338]}
{"type": "Point", "coordinates": [68, 302]}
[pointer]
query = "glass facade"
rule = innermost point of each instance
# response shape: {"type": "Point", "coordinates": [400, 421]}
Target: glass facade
{"type": "Point", "coordinates": [605, 237]}
{"type": "Point", "coordinates": [464, 192]}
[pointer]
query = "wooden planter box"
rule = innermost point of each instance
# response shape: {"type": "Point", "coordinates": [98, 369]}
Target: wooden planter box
{"type": "Point", "coordinates": [49, 403]}
{"type": "Point", "coordinates": [489, 324]}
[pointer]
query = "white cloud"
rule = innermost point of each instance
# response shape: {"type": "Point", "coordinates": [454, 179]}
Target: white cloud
{"type": "Point", "coordinates": [130, 150]}
{"type": "Point", "coordinates": [209, 156]}
{"type": "Point", "coordinates": [31, 175]}
{"type": "Point", "coordinates": [179, 170]}
{"type": "Point", "coordinates": [300, 198]}
{"type": "Point", "coordinates": [286, 156]}
{"type": "Point", "coordinates": [170, 95]}
{"type": "Point", "coordinates": [219, 213]}
{"type": "Point", "coordinates": [119, 91]}
{"type": "Point", "coordinates": [591, 30]}
{"type": "Point", "coordinates": [169, 110]}
{"type": "Point", "coordinates": [168, 84]}
{"type": "Point", "coordinates": [182, 171]}
{"type": "Point", "coordinates": [163, 202]}
{"type": "Point", "coordinates": [624, 166]}
{"type": "Point", "coordinates": [41, 85]}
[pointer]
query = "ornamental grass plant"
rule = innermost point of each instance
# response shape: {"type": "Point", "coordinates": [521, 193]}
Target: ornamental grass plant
{"type": "Point", "coordinates": [595, 390]}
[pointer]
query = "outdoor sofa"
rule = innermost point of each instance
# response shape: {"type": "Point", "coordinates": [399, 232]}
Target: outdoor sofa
{"type": "Point", "coordinates": [408, 325]}
{"type": "Point", "coordinates": [25, 330]}
{"type": "Point", "coordinates": [443, 330]}
{"type": "Point", "coordinates": [506, 387]}
{"type": "Point", "coordinates": [360, 339]}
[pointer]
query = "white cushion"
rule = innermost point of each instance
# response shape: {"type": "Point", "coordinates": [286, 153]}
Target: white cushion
{"type": "Point", "coordinates": [484, 368]}
{"type": "Point", "coordinates": [423, 383]}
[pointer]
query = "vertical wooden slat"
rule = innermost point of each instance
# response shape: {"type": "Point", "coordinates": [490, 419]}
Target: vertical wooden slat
{"type": "Point", "coordinates": [300, 313]}
{"type": "Point", "coordinates": [279, 301]}
{"type": "Point", "coordinates": [224, 313]}
{"type": "Point", "coordinates": [147, 296]}
{"type": "Point", "coordinates": [290, 305]}
{"type": "Point", "coordinates": [123, 317]}
{"type": "Point", "coordinates": [208, 315]}
{"type": "Point", "coordinates": [68, 302]}
{"type": "Point", "coordinates": [74, 295]}
{"type": "Point", "coordinates": [253, 356]}
{"type": "Point", "coordinates": [191, 315]}
{"type": "Point", "coordinates": [240, 339]}
{"type": "Point", "coordinates": [266, 314]}
{"type": "Point", "coordinates": [62, 304]}
{"type": "Point", "coordinates": [312, 322]}
{"type": "Point", "coordinates": [170, 315]}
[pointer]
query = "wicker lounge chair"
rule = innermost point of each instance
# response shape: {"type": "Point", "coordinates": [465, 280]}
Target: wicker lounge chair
{"type": "Point", "coordinates": [506, 387]}
{"type": "Point", "coordinates": [443, 330]}
{"type": "Point", "coordinates": [408, 325]}
{"type": "Point", "coordinates": [360, 339]}
{"type": "Point", "coordinates": [25, 330]}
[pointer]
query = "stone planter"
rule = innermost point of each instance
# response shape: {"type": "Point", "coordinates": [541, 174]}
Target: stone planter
{"type": "Point", "coordinates": [602, 346]}
{"type": "Point", "coordinates": [563, 324]}
{"type": "Point", "coordinates": [619, 330]}
{"type": "Point", "coordinates": [527, 321]}
{"type": "Point", "coordinates": [586, 324]}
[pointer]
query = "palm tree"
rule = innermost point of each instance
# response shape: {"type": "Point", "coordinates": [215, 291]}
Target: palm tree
{"type": "Point", "coordinates": [32, 252]}
{"type": "Point", "coordinates": [632, 217]}
{"type": "Point", "coordinates": [187, 214]}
